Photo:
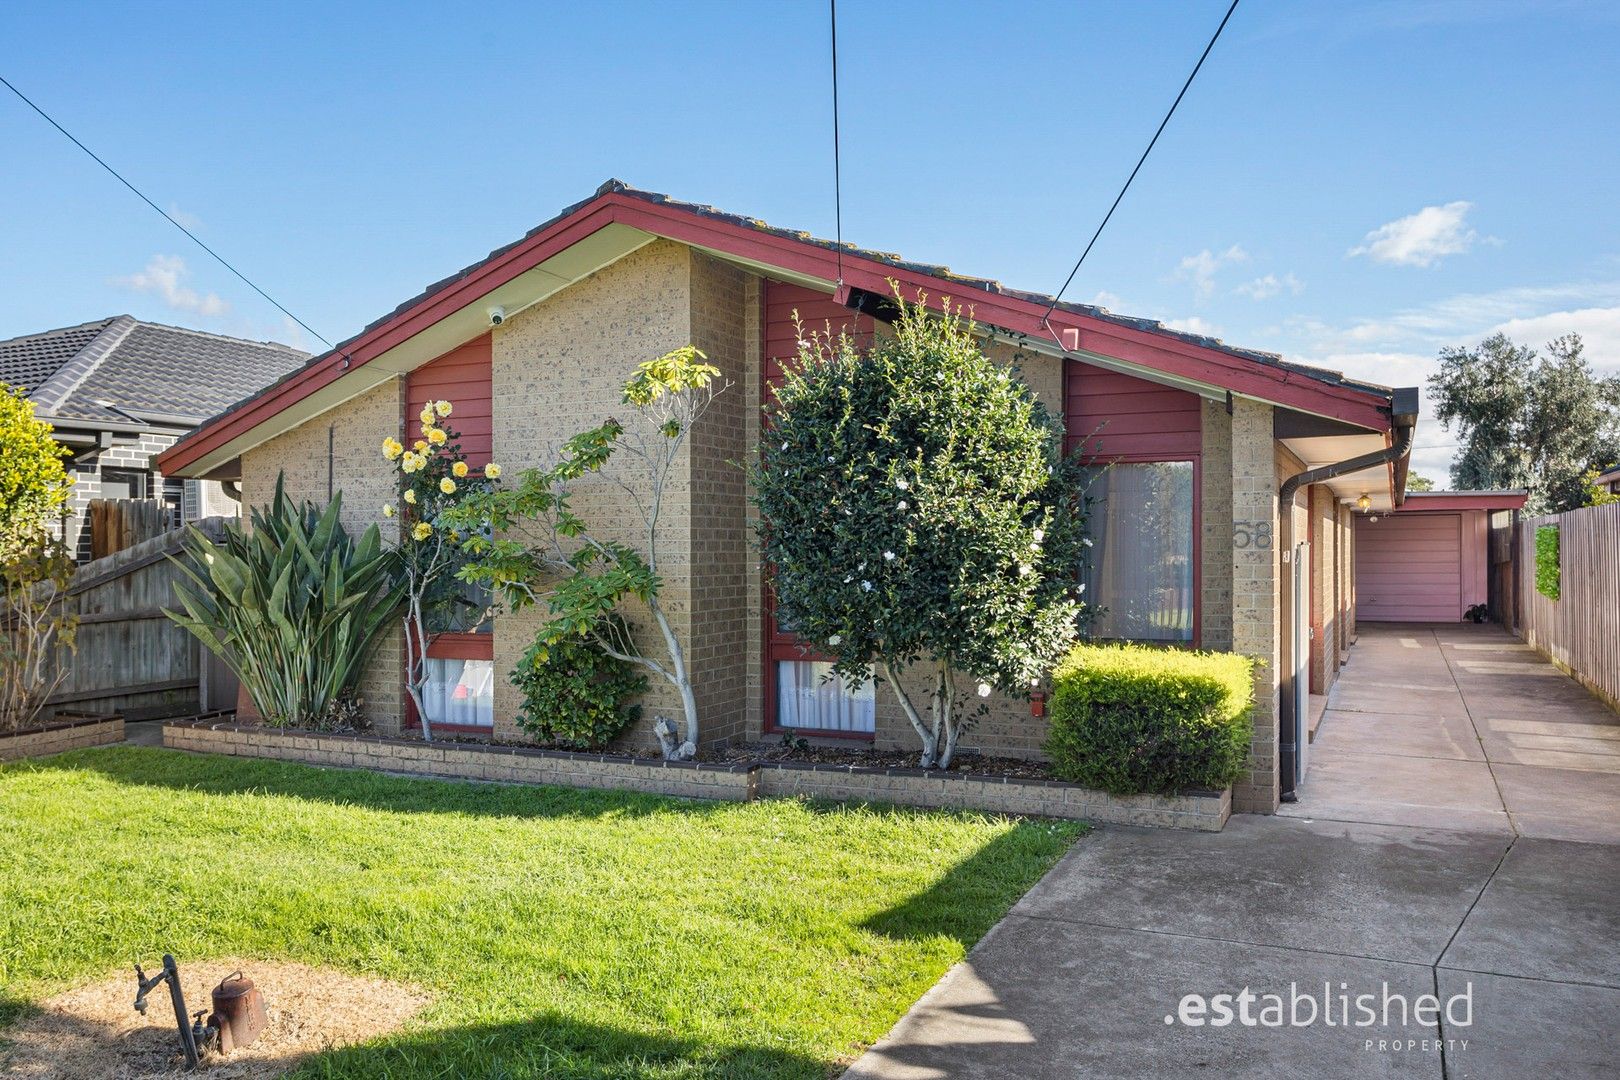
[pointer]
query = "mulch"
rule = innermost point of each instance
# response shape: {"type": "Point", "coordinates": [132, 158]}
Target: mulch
{"type": "Point", "coordinates": [93, 1031]}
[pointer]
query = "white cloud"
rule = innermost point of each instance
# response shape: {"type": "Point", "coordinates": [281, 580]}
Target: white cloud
{"type": "Point", "coordinates": [1200, 269]}
{"type": "Point", "coordinates": [1421, 239]}
{"type": "Point", "coordinates": [185, 217]}
{"type": "Point", "coordinates": [1192, 324]}
{"type": "Point", "coordinates": [1264, 288]}
{"type": "Point", "coordinates": [164, 275]}
{"type": "Point", "coordinates": [1599, 328]}
{"type": "Point", "coordinates": [1106, 299]}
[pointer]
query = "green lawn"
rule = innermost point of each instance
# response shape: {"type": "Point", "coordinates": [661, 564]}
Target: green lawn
{"type": "Point", "coordinates": [562, 933]}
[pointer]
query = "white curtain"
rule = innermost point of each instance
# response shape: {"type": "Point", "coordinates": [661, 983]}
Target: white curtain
{"type": "Point", "coordinates": [1141, 560]}
{"type": "Point", "coordinates": [460, 691]}
{"type": "Point", "coordinates": [810, 697]}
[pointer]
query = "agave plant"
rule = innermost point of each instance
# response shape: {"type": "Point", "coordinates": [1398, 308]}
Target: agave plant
{"type": "Point", "coordinates": [294, 606]}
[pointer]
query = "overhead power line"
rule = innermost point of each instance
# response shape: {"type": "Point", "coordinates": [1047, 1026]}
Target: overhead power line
{"type": "Point", "coordinates": [838, 183]}
{"type": "Point", "coordinates": [164, 213]}
{"type": "Point", "coordinates": [1151, 143]}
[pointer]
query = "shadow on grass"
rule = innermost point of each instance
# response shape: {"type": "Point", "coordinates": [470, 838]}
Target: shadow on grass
{"type": "Point", "coordinates": [971, 897]}
{"type": "Point", "coordinates": [555, 1046]}
{"type": "Point", "coordinates": [221, 775]}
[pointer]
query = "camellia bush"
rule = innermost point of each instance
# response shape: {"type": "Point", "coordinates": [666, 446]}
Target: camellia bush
{"type": "Point", "coordinates": [431, 479]}
{"type": "Point", "coordinates": [916, 507]}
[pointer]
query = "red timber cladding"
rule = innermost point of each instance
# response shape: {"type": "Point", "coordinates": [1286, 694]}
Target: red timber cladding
{"type": "Point", "coordinates": [1118, 416]}
{"type": "Point", "coordinates": [818, 313]}
{"type": "Point", "coordinates": [462, 377]}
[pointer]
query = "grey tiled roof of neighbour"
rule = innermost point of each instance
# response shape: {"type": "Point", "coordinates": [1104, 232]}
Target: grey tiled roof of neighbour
{"type": "Point", "coordinates": [118, 369]}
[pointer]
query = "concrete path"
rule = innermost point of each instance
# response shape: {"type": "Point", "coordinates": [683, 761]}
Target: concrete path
{"type": "Point", "coordinates": [1463, 727]}
{"type": "Point", "coordinates": [1467, 889]}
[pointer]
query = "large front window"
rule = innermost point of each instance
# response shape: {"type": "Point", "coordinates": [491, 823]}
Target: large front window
{"type": "Point", "coordinates": [809, 697]}
{"type": "Point", "coordinates": [1140, 571]}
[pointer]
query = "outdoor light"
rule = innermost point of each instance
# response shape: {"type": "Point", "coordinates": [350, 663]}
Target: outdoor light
{"type": "Point", "coordinates": [1364, 502]}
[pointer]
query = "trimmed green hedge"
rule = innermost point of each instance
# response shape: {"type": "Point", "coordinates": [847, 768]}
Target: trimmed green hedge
{"type": "Point", "coordinates": [1548, 582]}
{"type": "Point", "coordinates": [1131, 719]}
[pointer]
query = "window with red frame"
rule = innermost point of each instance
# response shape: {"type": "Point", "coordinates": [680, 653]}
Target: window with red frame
{"type": "Point", "coordinates": [460, 691]}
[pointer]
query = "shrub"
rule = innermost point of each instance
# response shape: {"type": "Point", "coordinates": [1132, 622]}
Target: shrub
{"type": "Point", "coordinates": [1132, 719]}
{"type": "Point", "coordinates": [36, 634]}
{"type": "Point", "coordinates": [915, 506]}
{"type": "Point", "coordinates": [1548, 582]}
{"type": "Point", "coordinates": [575, 694]}
{"type": "Point", "coordinates": [294, 607]}
{"type": "Point", "coordinates": [34, 484]}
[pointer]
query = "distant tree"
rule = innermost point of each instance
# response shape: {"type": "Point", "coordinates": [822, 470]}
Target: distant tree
{"type": "Point", "coordinates": [1527, 420]}
{"type": "Point", "coordinates": [1418, 482]}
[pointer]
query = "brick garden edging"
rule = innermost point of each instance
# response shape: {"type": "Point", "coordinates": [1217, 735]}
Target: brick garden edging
{"type": "Point", "coordinates": [72, 731]}
{"type": "Point", "coordinates": [737, 782]}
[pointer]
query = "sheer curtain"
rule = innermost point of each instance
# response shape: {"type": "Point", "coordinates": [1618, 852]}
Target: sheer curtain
{"type": "Point", "coordinates": [810, 697]}
{"type": "Point", "coordinates": [460, 691]}
{"type": "Point", "coordinates": [1141, 559]}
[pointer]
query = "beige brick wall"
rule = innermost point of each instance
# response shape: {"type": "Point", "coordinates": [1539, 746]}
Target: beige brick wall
{"type": "Point", "coordinates": [1215, 509]}
{"type": "Point", "coordinates": [1255, 614]}
{"type": "Point", "coordinates": [560, 367]}
{"type": "Point", "coordinates": [725, 326]}
{"type": "Point", "coordinates": [351, 437]}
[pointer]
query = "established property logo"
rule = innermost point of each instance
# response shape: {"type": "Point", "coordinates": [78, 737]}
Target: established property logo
{"type": "Point", "coordinates": [1340, 1007]}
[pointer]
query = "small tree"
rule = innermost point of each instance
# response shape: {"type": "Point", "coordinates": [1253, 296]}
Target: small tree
{"type": "Point", "coordinates": [582, 575]}
{"type": "Point", "coordinates": [915, 505]}
{"type": "Point", "coordinates": [33, 482]}
{"type": "Point", "coordinates": [432, 478]}
{"type": "Point", "coordinates": [36, 635]}
{"type": "Point", "coordinates": [1418, 482]}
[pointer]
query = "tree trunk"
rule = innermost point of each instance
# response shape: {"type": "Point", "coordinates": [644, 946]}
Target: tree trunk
{"type": "Point", "coordinates": [929, 740]}
{"type": "Point", "coordinates": [687, 749]}
{"type": "Point", "coordinates": [948, 719]}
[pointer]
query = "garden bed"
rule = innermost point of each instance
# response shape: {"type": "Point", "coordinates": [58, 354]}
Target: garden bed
{"type": "Point", "coordinates": [814, 773]}
{"type": "Point", "coordinates": [64, 731]}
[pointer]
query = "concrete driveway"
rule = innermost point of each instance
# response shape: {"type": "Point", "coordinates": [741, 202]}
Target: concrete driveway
{"type": "Point", "coordinates": [1432, 868]}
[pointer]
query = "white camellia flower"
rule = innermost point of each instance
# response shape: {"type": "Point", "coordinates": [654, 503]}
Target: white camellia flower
{"type": "Point", "coordinates": [1024, 569]}
{"type": "Point", "coordinates": [1082, 586]}
{"type": "Point", "coordinates": [984, 689]}
{"type": "Point", "coordinates": [888, 556]}
{"type": "Point", "coordinates": [901, 484]}
{"type": "Point", "coordinates": [1040, 535]}
{"type": "Point", "coordinates": [901, 505]}
{"type": "Point", "coordinates": [835, 639]}
{"type": "Point", "coordinates": [866, 586]}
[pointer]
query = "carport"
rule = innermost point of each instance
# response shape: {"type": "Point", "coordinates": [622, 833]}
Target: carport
{"type": "Point", "coordinates": [1428, 561]}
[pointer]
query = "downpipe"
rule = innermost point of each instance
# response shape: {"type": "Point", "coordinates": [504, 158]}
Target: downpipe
{"type": "Point", "coordinates": [1289, 730]}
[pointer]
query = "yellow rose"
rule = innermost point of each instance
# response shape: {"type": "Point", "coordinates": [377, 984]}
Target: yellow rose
{"type": "Point", "coordinates": [422, 531]}
{"type": "Point", "coordinates": [437, 436]}
{"type": "Point", "coordinates": [388, 509]}
{"type": "Point", "coordinates": [420, 445]}
{"type": "Point", "coordinates": [459, 468]}
{"type": "Point", "coordinates": [410, 496]}
{"type": "Point", "coordinates": [448, 486]}
{"type": "Point", "coordinates": [493, 471]}
{"type": "Point", "coordinates": [391, 448]}
{"type": "Point", "coordinates": [412, 461]}
{"type": "Point", "coordinates": [426, 416]}
{"type": "Point", "coordinates": [442, 408]}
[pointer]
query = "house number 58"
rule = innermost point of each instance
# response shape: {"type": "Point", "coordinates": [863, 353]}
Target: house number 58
{"type": "Point", "coordinates": [1251, 534]}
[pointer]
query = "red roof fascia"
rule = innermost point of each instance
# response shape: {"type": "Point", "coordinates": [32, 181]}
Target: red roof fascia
{"type": "Point", "coordinates": [1170, 355]}
{"type": "Point", "coordinates": [1418, 501]}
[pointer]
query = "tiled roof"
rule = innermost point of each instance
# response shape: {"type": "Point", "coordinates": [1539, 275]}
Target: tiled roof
{"type": "Point", "coordinates": [106, 370]}
{"type": "Point", "coordinates": [25, 362]}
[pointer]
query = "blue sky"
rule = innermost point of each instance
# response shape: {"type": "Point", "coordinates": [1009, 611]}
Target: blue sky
{"type": "Point", "coordinates": [1348, 184]}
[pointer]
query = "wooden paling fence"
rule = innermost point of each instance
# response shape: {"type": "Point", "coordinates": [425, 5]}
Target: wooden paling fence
{"type": "Point", "coordinates": [116, 524]}
{"type": "Point", "coordinates": [1580, 631]}
{"type": "Point", "coordinates": [130, 658]}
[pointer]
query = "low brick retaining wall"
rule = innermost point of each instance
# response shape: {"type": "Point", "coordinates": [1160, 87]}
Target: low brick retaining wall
{"type": "Point", "coordinates": [66, 732]}
{"type": "Point", "coordinates": [466, 761]}
{"type": "Point", "coordinates": [740, 782]}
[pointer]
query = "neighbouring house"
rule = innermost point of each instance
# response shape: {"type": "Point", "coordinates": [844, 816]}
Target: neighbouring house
{"type": "Point", "coordinates": [1252, 466]}
{"type": "Point", "coordinates": [1430, 561]}
{"type": "Point", "coordinates": [119, 390]}
{"type": "Point", "coordinates": [1608, 480]}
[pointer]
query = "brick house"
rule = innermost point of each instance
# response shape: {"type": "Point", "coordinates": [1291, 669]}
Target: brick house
{"type": "Point", "coordinates": [118, 390]}
{"type": "Point", "coordinates": [1255, 465]}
